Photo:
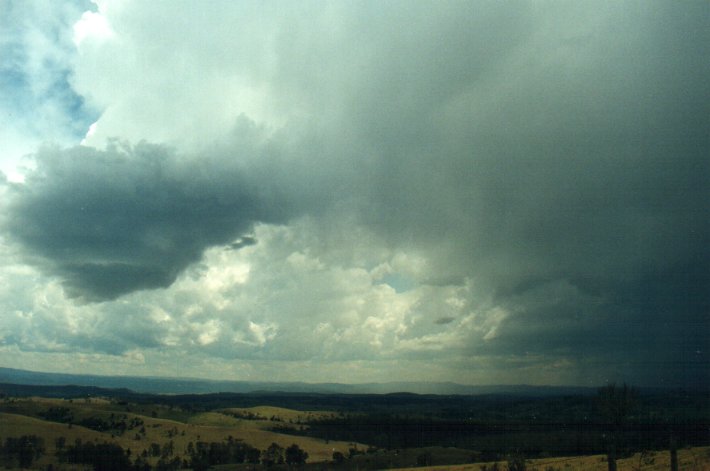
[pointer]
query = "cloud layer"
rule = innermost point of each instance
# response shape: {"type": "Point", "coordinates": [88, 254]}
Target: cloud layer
{"type": "Point", "coordinates": [490, 190]}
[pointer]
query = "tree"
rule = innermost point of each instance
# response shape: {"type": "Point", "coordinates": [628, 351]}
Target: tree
{"type": "Point", "coordinates": [155, 449]}
{"type": "Point", "coordinates": [168, 465]}
{"type": "Point", "coordinates": [516, 462]}
{"type": "Point", "coordinates": [102, 456]}
{"type": "Point", "coordinates": [24, 449]}
{"type": "Point", "coordinates": [615, 404]}
{"type": "Point", "coordinates": [140, 464]}
{"type": "Point", "coordinates": [424, 459]}
{"type": "Point", "coordinates": [110, 457]}
{"type": "Point", "coordinates": [338, 457]}
{"type": "Point", "coordinates": [252, 455]}
{"type": "Point", "coordinates": [674, 453]}
{"type": "Point", "coordinates": [272, 455]}
{"type": "Point", "coordinates": [295, 455]}
{"type": "Point", "coordinates": [59, 442]}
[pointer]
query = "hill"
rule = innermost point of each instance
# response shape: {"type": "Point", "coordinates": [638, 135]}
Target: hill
{"type": "Point", "coordinates": [348, 431]}
{"type": "Point", "coordinates": [160, 385]}
{"type": "Point", "coordinates": [153, 432]}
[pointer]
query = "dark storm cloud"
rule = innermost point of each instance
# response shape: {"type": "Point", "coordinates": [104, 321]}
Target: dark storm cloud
{"type": "Point", "coordinates": [552, 156]}
{"type": "Point", "coordinates": [579, 157]}
{"type": "Point", "coordinates": [243, 241]}
{"type": "Point", "coordinates": [115, 221]}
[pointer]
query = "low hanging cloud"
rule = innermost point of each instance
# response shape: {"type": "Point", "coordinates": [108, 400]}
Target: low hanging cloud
{"type": "Point", "coordinates": [113, 221]}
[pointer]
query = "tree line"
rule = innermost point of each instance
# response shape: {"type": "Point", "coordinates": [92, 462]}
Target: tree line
{"type": "Point", "coordinates": [23, 451]}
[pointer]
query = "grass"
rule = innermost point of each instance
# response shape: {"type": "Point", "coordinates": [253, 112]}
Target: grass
{"type": "Point", "coordinates": [23, 417]}
{"type": "Point", "coordinates": [163, 424]}
{"type": "Point", "coordinates": [279, 414]}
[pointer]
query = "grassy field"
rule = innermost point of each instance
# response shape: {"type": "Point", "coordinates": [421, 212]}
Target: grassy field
{"type": "Point", "coordinates": [139, 428]}
{"type": "Point", "coordinates": [279, 414]}
{"type": "Point", "coordinates": [25, 417]}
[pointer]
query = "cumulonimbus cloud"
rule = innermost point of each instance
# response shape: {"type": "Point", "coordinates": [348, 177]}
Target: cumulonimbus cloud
{"type": "Point", "coordinates": [552, 157]}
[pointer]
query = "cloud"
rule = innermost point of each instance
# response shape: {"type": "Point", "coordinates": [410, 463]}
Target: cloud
{"type": "Point", "coordinates": [444, 320]}
{"type": "Point", "coordinates": [485, 186]}
{"type": "Point", "coordinates": [37, 100]}
{"type": "Point", "coordinates": [244, 241]}
{"type": "Point", "coordinates": [112, 221]}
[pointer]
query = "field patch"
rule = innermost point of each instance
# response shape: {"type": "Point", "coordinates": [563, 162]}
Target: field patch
{"type": "Point", "coordinates": [277, 414]}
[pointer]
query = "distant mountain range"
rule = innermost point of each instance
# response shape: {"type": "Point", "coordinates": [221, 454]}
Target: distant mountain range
{"type": "Point", "coordinates": [161, 385]}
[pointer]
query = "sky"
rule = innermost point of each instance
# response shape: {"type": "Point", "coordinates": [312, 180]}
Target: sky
{"type": "Point", "coordinates": [333, 191]}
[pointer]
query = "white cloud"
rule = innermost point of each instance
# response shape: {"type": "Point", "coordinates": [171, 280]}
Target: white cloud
{"type": "Point", "coordinates": [432, 190]}
{"type": "Point", "coordinates": [264, 307]}
{"type": "Point", "coordinates": [184, 85]}
{"type": "Point", "coordinates": [92, 27]}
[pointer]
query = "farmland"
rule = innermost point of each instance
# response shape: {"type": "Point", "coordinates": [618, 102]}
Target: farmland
{"type": "Point", "coordinates": [341, 431]}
